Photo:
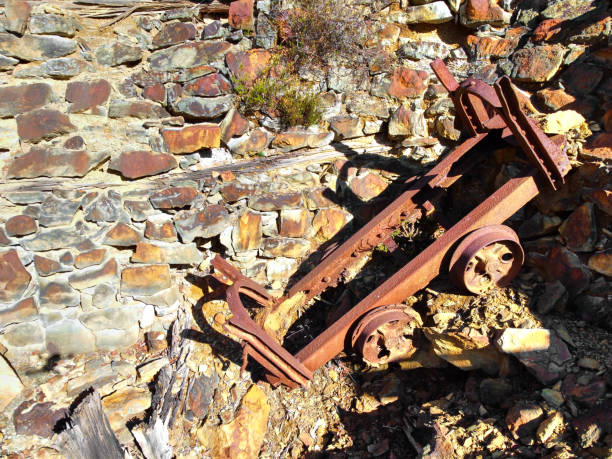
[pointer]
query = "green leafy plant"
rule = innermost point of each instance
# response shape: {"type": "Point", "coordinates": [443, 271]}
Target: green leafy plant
{"type": "Point", "coordinates": [278, 92]}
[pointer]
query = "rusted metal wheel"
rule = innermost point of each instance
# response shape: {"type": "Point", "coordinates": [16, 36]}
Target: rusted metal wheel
{"type": "Point", "coordinates": [386, 334]}
{"type": "Point", "coordinates": [487, 257]}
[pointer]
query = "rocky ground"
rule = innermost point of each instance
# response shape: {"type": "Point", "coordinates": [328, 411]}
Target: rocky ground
{"type": "Point", "coordinates": [137, 143]}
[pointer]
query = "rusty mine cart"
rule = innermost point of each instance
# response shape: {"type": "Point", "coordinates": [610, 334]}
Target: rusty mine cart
{"type": "Point", "coordinates": [478, 250]}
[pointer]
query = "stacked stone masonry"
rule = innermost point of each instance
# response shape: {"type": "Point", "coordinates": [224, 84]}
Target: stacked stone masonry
{"type": "Point", "coordinates": [121, 152]}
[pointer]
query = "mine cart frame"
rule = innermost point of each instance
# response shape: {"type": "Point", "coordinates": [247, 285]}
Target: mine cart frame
{"type": "Point", "coordinates": [481, 109]}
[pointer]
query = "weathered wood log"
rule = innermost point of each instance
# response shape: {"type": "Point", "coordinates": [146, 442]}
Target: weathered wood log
{"type": "Point", "coordinates": [299, 158]}
{"type": "Point", "coordinates": [88, 433]}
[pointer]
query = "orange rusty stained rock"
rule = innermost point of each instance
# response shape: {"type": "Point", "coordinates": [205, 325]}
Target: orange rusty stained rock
{"type": "Point", "coordinates": [602, 199]}
{"type": "Point", "coordinates": [175, 197]}
{"type": "Point", "coordinates": [564, 265]}
{"type": "Point", "coordinates": [368, 186]}
{"type": "Point", "coordinates": [84, 95]}
{"type": "Point", "coordinates": [48, 162]}
{"type": "Point", "coordinates": [408, 83]}
{"type": "Point", "coordinates": [555, 99]}
{"type": "Point", "coordinates": [274, 247]}
{"type": "Point", "coordinates": [122, 235]}
{"type": "Point", "coordinates": [18, 312]}
{"type": "Point", "coordinates": [320, 197]}
{"type": "Point", "coordinates": [537, 64]}
{"type": "Point", "coordinates": [327, 222]}
{"type": "Point", "coordinates": [243, 437]}
{"type": "Point", "coordinates": [484, 47]}
{"type": "Point", "coordinates": [137, 164]}
{"type": "Point", "coordinates": [247, 234]}
{"type": "Point", "coordinates": [43, 124]}
{"type": "Point", "coordinates": [602, 263]}
{"type": "Point", "coordinates": [234, 191]}
{"type": "Point", "coordinates": [14, 279]}
{"type": "Point", "coordinates": [346, 127]}
{"type": "Point", "coordinates": [155, 92]}
{"type": "Point", "coordinates": [148, 253]}
{"type": "Point", "coordinates": [4, 240]}
{"type": "Point", "coordinates": [145, 280]}
{"type": "Point", "coordinates": [295, 139]}
{"type": "Point", "coordinates": [160, 232]}
{"type": "Point", "coordinates": [90, 258]}
{"type": "Point", "coordinates": [20, 99]}
{"type": "Point", "coordinates": [192, 138]}
{"type": "Point", "coordinates": [20, 225]}
{"type": "Point", "coordinates": [241, 14]}
{"type": "Point", "coordinates": [546, 30]}
{"type": "Point", "coordinates": [46, 266]}
{"type": "Point", "coordinates": [478, 12]}
{"type": "Point", "coordinates": [233, 125]}
{"type": "Point", "coordinates": [579, 231]}
{"type": "Point", "coordinates": [294, 222]}
{"type": "Point", "coordinates": [581, 79]}
{"type": "Point", "coordinates": [211, 85]}
{"type": "Point", "coordinates": [256, 141]}
{"type": "Point", "coordinates": [246, 66]}
{"type": "Point", "coordinates": [599, 147]}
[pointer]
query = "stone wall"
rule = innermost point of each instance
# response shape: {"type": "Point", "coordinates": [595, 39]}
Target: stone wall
{"type": "Point", "coordinates": [94, 244]}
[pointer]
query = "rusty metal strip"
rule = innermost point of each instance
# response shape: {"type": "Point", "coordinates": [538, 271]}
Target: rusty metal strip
{"type": "Point", "coordinates": [328, 272]}
{"type": "Point", "coordinates": [541, 151]}
{"type": "Point", "coordinates": [422, 269]}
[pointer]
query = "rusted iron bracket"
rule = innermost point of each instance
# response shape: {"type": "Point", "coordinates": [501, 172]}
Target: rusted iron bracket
{"type": "Point", "coordinates": [481, 108]}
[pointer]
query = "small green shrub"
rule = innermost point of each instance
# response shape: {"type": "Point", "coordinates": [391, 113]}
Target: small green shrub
{"type": "Point", "coordinates": [279, 92]}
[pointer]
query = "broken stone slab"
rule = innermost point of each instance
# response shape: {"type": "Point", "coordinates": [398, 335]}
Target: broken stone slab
{"type": "Point", "coordinates": [20, 225]}
{"type": "Point", "coordinates": [122, 235]}
{"type": "Point", "coordinates": [58, 238]}
{"type": "Point", "coordinates": [432, 13]}
{"type": "Point", "coordinates": [85, 95]}
{"type": "Point", "coordinates": [94, 275]}
{"type": "Point", "coordinates": [579, 230]}
{"type": "Point", "coordinates": [298, 138]}
{"type": "Point", "coordinates": [47, 161]}
{"type": "Point", "coordinates": [539, 349]}
{"type": "Point", "coordinates": [171, 253]}
{"type": "Point", "coordinates": [117, 53]}
{"type": "Point", "coordinates": [246, 66]}
{"type": "Point", "coordinates": [69, 336]}
{"type": "Point", "coordinates": [11, 384]}
{"type": "Point", "coordinates": [15, 100]}
{"type": "Point", "coordinates": [537, 64]}
{"type": "Point", "coordinates": [43, 124]}
{"type": "Point", "coordinates": [205, 223]}
{"type": "Point", "coordinates": [466, 350]}
{"type": "Point", "coordinates": [175, 197]}
{"type": "Point", "coordinates": [474, 13]}
{"type": "Point", "coordinates": [148, 370]}
{"type": "Point", "coordinates": [56, 293]}
{"type": "Point", "coordinates": [244, 435]}
{"type": "Point", "coordinates": [14, 279]}
{"type": "Point", "coordinates": [20, 312]}
{"type": "Point", "coordinates": [90, 258]}
{"type": "Point", "coordinates": [211, 85]}
{"type": "Point", "coordinates": [52, 24]}
{"type": "Point", "coordinates": [273, 247]}
{"type": "Point", "coordinates": [36, 47]}
{"type": "Point", "coordinates": [57, 212]}
{"type": "Point", "coordinates": [361, 103]}
{"type": "Point", "coordinates": [247, 234]}
{"type": "Point", "coordinates": [34, 418]}
{"type": "Point", "coordinates": [407, 122]}
{"type": "Point", "coordinates": [192, 107]}
{"type": "Point", "coordinates": [173, 34]}
{"type": "Point", "coordinates": [138, 164]}
{"type": "Point", "coordinates": [106, 208]}
{"type": "Point", "coordinates": [145, 280]}
{"type": "Point", "coordinates": [16, 14]}
{"type": "Point", "coordinates": [141, 109]}
{"type": "Point", "coordinates": [187, 55]}
{"type": "Point", "coordinates": [191, 138]}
